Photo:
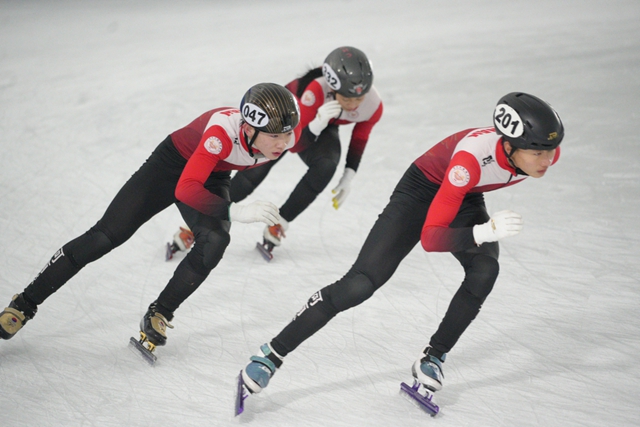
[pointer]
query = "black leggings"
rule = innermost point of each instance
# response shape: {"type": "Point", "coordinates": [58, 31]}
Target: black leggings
{"type": "Point", "coordinates": [321, 156]}
{"type": "Point", "coordinates": [393, 236]}
{"type": "Point", "coordinates": [149, 190]}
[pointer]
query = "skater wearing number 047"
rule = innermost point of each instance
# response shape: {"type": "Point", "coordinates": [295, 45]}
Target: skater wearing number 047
{"type": "Point", "coordinates": [339, 93]}
{"type": "Point", "coordinates": [190, 168]}
{"type": "Point", "coordinates": [439, 202]}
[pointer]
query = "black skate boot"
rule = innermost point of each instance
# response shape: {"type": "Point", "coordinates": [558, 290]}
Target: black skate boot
{"type": "Point", "coordinates": [153, 332]}
{"type": "Point", "coordinates": [154, 327]}
{"type": "Point", "coordinates": [14, 317]}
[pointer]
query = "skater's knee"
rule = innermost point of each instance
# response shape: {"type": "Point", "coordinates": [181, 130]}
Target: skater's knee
{"type": "Point", "coordinates": [350, 291]}
{"type": "Point", "coordinates": [88, 247]}
{"type": "Point", "coordinates": [213, 244]}
{"type": "Point", "coordinates": [481, 276]}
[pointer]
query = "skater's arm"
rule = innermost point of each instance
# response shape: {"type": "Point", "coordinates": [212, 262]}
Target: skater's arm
{"type": "Point", "coordinates": [360, 138]}
{"type": "Point", "coordinates": [461, 176]}
{"type": "Point", "coordinates": [215, 145]}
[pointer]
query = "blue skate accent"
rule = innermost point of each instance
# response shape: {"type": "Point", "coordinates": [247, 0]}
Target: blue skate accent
{"type": "Point", "coordinates": [260, 370]}
{"type": "Point", "coordinates": [431, 366]}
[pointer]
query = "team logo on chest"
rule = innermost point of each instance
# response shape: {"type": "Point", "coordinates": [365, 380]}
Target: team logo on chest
{"type": "Point", "coordinates": [308, 98]}
{"type": "Point", "coordinates": [213, 145]}
{"type": "Point", "coordinates": [459, 176]}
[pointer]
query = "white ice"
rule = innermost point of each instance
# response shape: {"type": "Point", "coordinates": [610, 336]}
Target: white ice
{"type": "Point", "coordinates": [88, 89]}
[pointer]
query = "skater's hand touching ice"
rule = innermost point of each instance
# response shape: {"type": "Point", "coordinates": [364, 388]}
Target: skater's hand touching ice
{"type": "Point", "coordinates": [343, 188]}
{"type": "Point", "coordinates": [258, 211]}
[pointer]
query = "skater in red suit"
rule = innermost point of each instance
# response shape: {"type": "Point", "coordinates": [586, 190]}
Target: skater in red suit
{"type": "Point", "coordinates": [439, 202]}
{"type": "Point", "coordinates": [191, 168]}
{"type": "Point", "coordinates": [341, 92]}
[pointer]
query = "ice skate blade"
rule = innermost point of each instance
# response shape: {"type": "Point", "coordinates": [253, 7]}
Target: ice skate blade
{"type": "Point", "coordinates": [241, 394]}
{"type": "Point", "coordinates": [170, 249]}
{"type": "Point", "coordinates": [422, 396]}
{"type": "Point", "coordinates": [266, 254]}
{"type": "Point", "coordinates": [138, 348]}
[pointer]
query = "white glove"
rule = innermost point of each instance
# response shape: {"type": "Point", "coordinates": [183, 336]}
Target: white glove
{"type": "Point", "coordinates": [327, 111]}
{"type": "Point", "coordinates": [258, 211]}
{"type": "Point", "coordinates": [343, 188]}
{"type": "Point", "coordinates": [502, 224]}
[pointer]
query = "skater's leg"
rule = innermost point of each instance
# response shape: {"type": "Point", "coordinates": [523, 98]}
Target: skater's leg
{"type": "Point", "coordinates": [481, 271]}
{"type": "Point", "coordinates": [392, 237]}
{"type": "Point", "coordinates": [147, 192]}
{"type": "Point", "coordinates": [211, 240]}
{"type": "Point", "coordinates": [322, 158]}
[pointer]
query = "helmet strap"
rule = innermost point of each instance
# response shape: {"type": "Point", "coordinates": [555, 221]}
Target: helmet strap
{"type": "Point", "coordinates": [253, 139]}
{"type": "Point", "coordinates": [510, 160]}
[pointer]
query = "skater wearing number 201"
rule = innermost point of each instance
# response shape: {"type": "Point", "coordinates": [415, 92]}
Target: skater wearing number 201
{"type": "Point", "coordinates": [190, 168]}
{"type": "Point", "coordinates": [439, 202]}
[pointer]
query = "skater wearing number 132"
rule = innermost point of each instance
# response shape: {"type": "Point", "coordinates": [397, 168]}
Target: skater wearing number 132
{"type": "Point", "coordinates": [439, 202]}
{"type": "Point", "coordinates": [190, 168]}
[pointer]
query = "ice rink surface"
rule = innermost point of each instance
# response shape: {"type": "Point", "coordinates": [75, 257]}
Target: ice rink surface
{"type": "Point", "coordinates": [88, 89]}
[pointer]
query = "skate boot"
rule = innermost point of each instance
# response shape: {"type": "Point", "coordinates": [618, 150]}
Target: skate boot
{"type": "Point", "coordinates": [14, 317]}
{"type": "Point", "coordinates": [428, 369]}
{"type": "Point", "coordinates": [182, 241]}
{"type": "Point", "coordinates": [427, 379]}
{"type": "Point", "coordinates": [272, 237]}
{"type": "Point", "coordinates": [256, 375]}
{"type": "Point", "coordinates": [153, 327]}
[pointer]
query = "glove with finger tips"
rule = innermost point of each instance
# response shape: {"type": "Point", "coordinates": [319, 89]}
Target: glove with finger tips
{"type": "Point", "coordinates": [343, 188]}
{"type": "Point", "coordinates": [502, 224]}
{"type": "Point", "coordinates": [326, 112]}
{"type": "Point", "coordinates": [258, 211]}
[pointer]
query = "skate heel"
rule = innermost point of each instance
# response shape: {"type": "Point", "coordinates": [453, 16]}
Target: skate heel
{"type": "Point", "coordinates": [15, 316]}
{"type": "Point", "coordinates": [153, 333]}
{"type": "Point", "coordinates": [428, 369]}
{"type": "Point", "coordinates": [256, 375]}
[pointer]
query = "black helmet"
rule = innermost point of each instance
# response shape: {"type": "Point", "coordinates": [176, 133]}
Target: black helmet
{"type": "Point", "coordinates": [348, 71]}
{"type": "Point", "coordinates": [270, 108]}
{"type": "Point", "coordinates": [528, 122]}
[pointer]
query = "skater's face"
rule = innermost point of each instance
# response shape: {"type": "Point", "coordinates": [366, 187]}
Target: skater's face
{"type": "Point", "coordinates": [271, 145]}
{"type": "Point", "coordinates": [349, 104]}
{"type": "Point", "coordinates": [533, 162]}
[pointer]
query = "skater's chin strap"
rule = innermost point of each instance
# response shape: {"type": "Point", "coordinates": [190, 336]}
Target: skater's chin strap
{"type": "Point", "coordinates": [511, 162]}
{"type": "Point", "coordinates": [250, 143]}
